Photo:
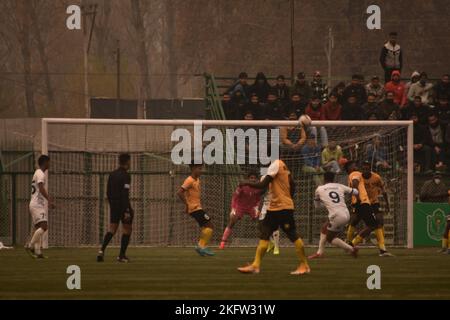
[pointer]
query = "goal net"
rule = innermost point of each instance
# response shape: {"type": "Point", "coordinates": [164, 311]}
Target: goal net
{"type": "Point", "coordinates": [84, 152]}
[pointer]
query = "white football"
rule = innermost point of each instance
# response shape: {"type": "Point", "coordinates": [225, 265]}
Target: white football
{"type": "Point", "coordinates": [304, 120]}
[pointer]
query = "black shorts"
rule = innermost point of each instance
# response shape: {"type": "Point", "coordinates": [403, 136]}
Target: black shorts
{"type": "Point", "coordinates": [201, 217]}
{"type": "Point", "coordinates": [117, 214]}
{"type": "Point", "coordinates": [273, 220]}
{"type": "Point", "coordinates": [365, 213]}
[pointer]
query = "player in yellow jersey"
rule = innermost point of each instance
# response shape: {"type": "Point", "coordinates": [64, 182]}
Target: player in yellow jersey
{"type": "Point", "coordinates": [190, 194]}
{"type": "Point", "coordinates": [279, 214]}
{"type": "Point", "coordinates": [375, 187]}
{"type": "Point", "coordinates": [361, 205]}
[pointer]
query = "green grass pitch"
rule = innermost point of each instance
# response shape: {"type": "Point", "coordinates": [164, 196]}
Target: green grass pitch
{"type": "Point", "coordinates": [179, 273]}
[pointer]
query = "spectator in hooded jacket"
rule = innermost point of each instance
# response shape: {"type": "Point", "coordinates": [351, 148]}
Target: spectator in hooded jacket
{"type": "Point", "coordinates": [260, 87]}
{"type": "Point", "coordinates": [352, 109]}
{"type": "Point", "coordinates": [339, 90]}
{"type": "Point", "coordinates": [318, 87]}
{"type": "Point", "coordinates": [282, 90]}
{"type": "Point", "coordinates": [398, 87]}
{"type": "Point", "coordinates": [332, 110]}
{"type": "Point", "coordinates": [415, 76]}
{"type": "Point", "coordinates": [423, 89]}
{"type": "Point", "coordinates": [255, 107]}
{"type": "Point", "coordinates": [442, 88]}
{"type": "Point", "coordinates": [229, 107]}
{"type": "Point", "coordinates": [375, 88]}
{"type": "Point", "coordinates": [301, 87]}
{"type": "Point", "coordinates": [391, 57]}
{"type": "Point", "coordinates": [355, 88]}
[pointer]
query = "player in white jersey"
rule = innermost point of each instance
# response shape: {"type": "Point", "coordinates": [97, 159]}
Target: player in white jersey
{"type": "Point", "coordinates": [331, 195]}
{"type": "Point", "coordinates": [39, 203]}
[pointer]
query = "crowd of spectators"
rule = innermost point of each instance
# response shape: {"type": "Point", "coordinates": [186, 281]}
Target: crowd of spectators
{"type": "Point", "coordinates": [426, 103]}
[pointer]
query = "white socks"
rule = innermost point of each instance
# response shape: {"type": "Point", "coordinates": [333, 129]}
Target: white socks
{"type": "Point", "coordinates": [276, 238]}
{"type": "Point", "coordinates": [341, 244]}
{"type": "Point", "coordinates": [322, 242]}
{"type": "Point", "coordinates": [36, 240]}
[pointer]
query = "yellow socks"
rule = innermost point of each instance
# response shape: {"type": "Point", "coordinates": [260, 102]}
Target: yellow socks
{"type": "Point", "coordinates": [205, 236]}
{"type": "Point", "coordinates": [358, 239]}
{"type": "Point", "coordinates": [444, 243]}
{"type": "Point", "coordinates": [300, 249]}
{"type": "Point", "coordinates": [260, 251]}
{"type": "Point", "coordinates": [380, 238]}
{"type": "Point", "coordinates": [350, 232]}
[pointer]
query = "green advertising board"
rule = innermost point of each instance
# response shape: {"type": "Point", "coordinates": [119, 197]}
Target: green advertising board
{"type": "Point", "coordinates": [430, 220]}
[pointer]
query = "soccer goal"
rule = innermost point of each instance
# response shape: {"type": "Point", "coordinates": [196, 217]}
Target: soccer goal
{"type": "Point", "coordinates": [84, 151]}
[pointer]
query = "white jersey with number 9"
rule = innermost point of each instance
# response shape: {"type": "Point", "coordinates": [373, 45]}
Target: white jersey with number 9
{"type": "Point", "coordinates": [332, 196]}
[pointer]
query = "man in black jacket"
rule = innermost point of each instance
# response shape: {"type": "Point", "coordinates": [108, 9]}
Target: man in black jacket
{"type": "Point", "coordinates": [391, 57]}
{"type": "Point", "coordinates": [355, 88]}
{"type": "Point", "coordinates": [352, 109]}
{"type": "Point", "coordinates": [422, 151]}
{"type": "Point", "coordinates": [118, 192]}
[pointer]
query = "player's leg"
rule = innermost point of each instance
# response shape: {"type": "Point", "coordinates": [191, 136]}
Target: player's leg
{"type": "Point", "coordinates": [445, 238]}
{"type": "Point", "coordinates": [234, 218]}
{"type": "Point", "coordinates": [206, 231]}
{"type": "Point", "coordinates": [322, 242]}
{"type": "Point", "coordinates": [266, 227]}
{"type": "Point", "coordinates": [334, 228]}
{"type": "Point", "coordinates": [354, 220]}
{"type": "Point", "coordinates": [127, 229]}
{"type": "Point", "coordinates": [113, 226]}
{"type": "Point", "coordinates": [36, 243]}
{"type": "Point", "coordinates": [379, 232]}
{"type": "Point", "coordinates": [287, 223]}
{"type": "Point", "coordinates": [275, 240]}
{"type": "Point", "coordinates": [366, 214]}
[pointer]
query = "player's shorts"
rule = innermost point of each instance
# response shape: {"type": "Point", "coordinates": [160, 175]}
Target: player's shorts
{"type": "Point", "coordinates": [201, 217]}
{"type": "Point", "coordinates": [364, 212]}
{"type": "Point", "coordinates": [117, 214]}
{"type": "Point", "coordinates": [378, 214]}
{"type": "Point", "coordinates": [38, 214]}
{"type": "Point", "coordinates": [276, 219]}
{"type": "Point", "coordinates": [253, 213]}
{"type": "Point", "coordinates": [337, 222]}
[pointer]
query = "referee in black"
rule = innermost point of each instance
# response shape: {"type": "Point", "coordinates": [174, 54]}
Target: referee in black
{"type": "Point", "coordinates": [118, 192]}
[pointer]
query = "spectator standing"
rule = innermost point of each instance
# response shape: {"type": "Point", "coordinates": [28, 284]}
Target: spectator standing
{"type": "Point", "coordinates": [332, 110]}
{"type": "Point", "coordinates": [391, 57]}
{"type": "Point", "coordinates": [319, 88]}
{"type": "Point", "coordinates": [437, 140]}
{"type": "Point", "coordinates": [355, 88]}
{"type": "Point", "coordinates": [398, 87]}
{"type": "Point", "coordinates": [422, 89]}
{"type": "Point", "coordinates": [434, 190]}
{"type": "Point", "coordinates": [375, 88]}
{"type": "Point", "coordinates": [422, 151]}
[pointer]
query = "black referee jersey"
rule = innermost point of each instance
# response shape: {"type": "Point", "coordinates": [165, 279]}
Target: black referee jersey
{"type": "Point", "coordinates": [118, 189]}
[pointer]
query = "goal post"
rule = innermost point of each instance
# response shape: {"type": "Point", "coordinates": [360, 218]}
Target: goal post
{"type": "Point", "coordinates": [84, 151]}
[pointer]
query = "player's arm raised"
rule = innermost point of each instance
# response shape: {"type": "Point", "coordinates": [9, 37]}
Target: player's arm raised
{"type": "Point", "coordinates": [258, 185]}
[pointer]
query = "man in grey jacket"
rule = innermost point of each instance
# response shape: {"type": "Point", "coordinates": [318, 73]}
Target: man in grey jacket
{"type": "Point", "coordinates": [391, 57]}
